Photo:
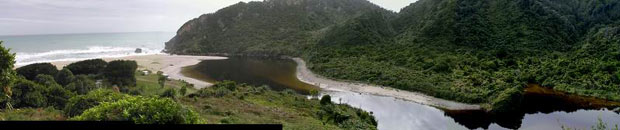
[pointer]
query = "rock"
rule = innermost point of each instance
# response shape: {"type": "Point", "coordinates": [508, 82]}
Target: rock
{"type": "Point", "coordinates": [138, 50]}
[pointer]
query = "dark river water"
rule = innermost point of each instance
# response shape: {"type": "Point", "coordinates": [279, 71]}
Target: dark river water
{"type": "Point", "coordinates": [541, 109]}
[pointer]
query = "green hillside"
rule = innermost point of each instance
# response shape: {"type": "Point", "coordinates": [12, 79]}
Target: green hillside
{"type": "Point", "coordinates": [465, 50]}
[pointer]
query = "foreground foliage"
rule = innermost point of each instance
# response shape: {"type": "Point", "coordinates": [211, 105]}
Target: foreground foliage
{"type": "Point", "coordinates": [142, 110]}
{"type": "Point", "coordinates": [228, 102]}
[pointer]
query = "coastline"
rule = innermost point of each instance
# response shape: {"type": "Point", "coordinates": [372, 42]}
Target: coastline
{"type": "Point", "coordinates": [305, 75]}
{"type": "Point", "coordinates": [169, 64]}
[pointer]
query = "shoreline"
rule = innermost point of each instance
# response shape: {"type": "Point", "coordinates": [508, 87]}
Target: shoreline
{"type": "Point", "coordinates": [305, 75]}
{"type": "Point", "coordinates": [169, 64]}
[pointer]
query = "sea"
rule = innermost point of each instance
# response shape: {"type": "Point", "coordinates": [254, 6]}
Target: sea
{"type": "Point", "coordinates": [31, 49]}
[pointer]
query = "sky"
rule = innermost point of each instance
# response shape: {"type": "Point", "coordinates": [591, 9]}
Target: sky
{"type": "Point", "coordinates": [23, 17]}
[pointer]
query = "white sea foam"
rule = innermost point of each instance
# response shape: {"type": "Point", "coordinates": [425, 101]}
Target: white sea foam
{"type": "Point", "coordinates": [77, 54]}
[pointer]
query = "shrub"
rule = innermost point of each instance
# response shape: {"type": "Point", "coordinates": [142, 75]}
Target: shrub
{"type": "Point", "coordinates": [230, 85]}
{"type": "Point", "coordinates": [142, 110]}
{"type": "Point", "coordinates": [64, 77]}
{"type": "Point", "coordinates": [57, 96]}
{"type": "Point", "coordinates": [79, 104]}
{"type": "Point", "coordinates": [326, 99]}
{"type": "Point", "coordinates": [45, 80]}
{"type": "Point", "coordinates": [82, 85]}
{"type": "Point", "coordinates": [31, 71]}
{"type": "Point", "coordinates": [27, 94]}
{"type": "Point", "coordinates": [7, 74]}
{"type": "Point", "coordinates": [183, 90]}
{"type": "Point", "coordinates": [121, 73]}
{"type": "Point", "coordinates": [508, 100]}
{"type": "Point", "coordinates": [170, 93]}
{"type": "Point", "coordinates": [88, 67]}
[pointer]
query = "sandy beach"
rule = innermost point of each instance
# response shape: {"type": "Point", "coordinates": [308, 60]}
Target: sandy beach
{"type": "Point", "coordinates": [305, 75]}
{"type": "Point", "coordinates": [169, 64]}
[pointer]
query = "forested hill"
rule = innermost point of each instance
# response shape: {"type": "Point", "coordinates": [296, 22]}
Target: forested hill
{"type": "Point", "coordinates": [475, 51]}
{"type": "Point", "coordinates": [268, 27]}
{"type": "Point", "coordinates": [526, 24]}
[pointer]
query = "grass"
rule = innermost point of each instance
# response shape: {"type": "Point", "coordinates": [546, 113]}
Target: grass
{"type": "Point", "coordinates": [150, 86]}
{"type": "Point", "coordinates": [32, 114]}
{"type": "Point", "coordinates": [251, 105]}
{"type": "Point", "coordinates": [268, 108]}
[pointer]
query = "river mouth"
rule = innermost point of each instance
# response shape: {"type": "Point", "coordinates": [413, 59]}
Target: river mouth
{"type": "Point", "coordinates": [541, 108]}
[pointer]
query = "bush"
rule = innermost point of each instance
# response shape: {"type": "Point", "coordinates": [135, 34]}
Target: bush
{"type": "Point", "coordinates": [142, 110]}
{"type": "Point", "coordinates": [57, 96]}
{"type": "Point", "coordinates": [121, 73]}
{"type": "Point", "coordinates": [326, 99]}
{"type": "Point", "coordinates": [31, 71]}
{"type": "Point", "coordinates": [230, 85]}
{"type": "Point", "coordinates": [82, 85]}
{"type": "Point", "coordinates": [169, 93]}
{"type": "Point", "coordinates": [183, 90]}
{"type": "Point", "coordinates": [45, 80]}
{"type": "Point", "coordinates": [79, 104]}
{"type": "Point", "coordinates": [508, 100]}
{"type": "Point", "coordinates": [64, 77]}
{"type": "Point", "coordinates": [27, 94]}
{"type": "Point", "coordinates": [88, 67]}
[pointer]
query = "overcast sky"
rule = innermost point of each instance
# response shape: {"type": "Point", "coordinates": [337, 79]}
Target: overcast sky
{"type": "Point", "coordinates": [19, 17]}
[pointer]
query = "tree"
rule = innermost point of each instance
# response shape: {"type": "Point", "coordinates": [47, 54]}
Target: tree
{"type": "Point", "coordinates": [81, 85]}
{"type": "Point", "coordinates": [7, 75]}
{"type": "Point", "coordinates": [121, 73]}
{"type": "Point", "coordinates": [88, 67]}
{"type": "Point", "coordinates": [64, 77]}
{"type": "Point", "coordinates": [142, 110]}
{"type": "Point", "coordinates": [31, 71]}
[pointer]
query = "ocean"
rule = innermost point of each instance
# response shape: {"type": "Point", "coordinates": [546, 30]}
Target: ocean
{"type": "Point", "coordinates": [74, 47]}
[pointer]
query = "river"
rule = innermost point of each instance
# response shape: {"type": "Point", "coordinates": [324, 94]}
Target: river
{"type": "Point", "coordinates": [538, 111]}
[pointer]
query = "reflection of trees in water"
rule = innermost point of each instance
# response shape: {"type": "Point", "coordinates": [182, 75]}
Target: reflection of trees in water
{"type": "Point", "coordinates": [532, 104]}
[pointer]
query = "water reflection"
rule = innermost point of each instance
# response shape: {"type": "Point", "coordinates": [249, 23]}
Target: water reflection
{"type": "Point", "coordinates": [277, 73]}
{"type": "Point", "coordinates": [396, 114]}
{"type": "Point", "coordinates": [552, 108]}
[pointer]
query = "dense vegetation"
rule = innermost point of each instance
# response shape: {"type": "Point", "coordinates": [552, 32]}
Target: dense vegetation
{"type": "Point", "coordinates": [32, 70]}
{"type": "Point", "coordinates": [88, 67]}
{"type": "Point", "coordinates": [146, 99]}
{"type": "Point", "coordinates": [486, 51]}
{"type": "Point", "coordinates": [465, 50]}
{"type": "Point", "coordinates": [228, 102]}
{"type": "Point", "coordinates": [121, 73]}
